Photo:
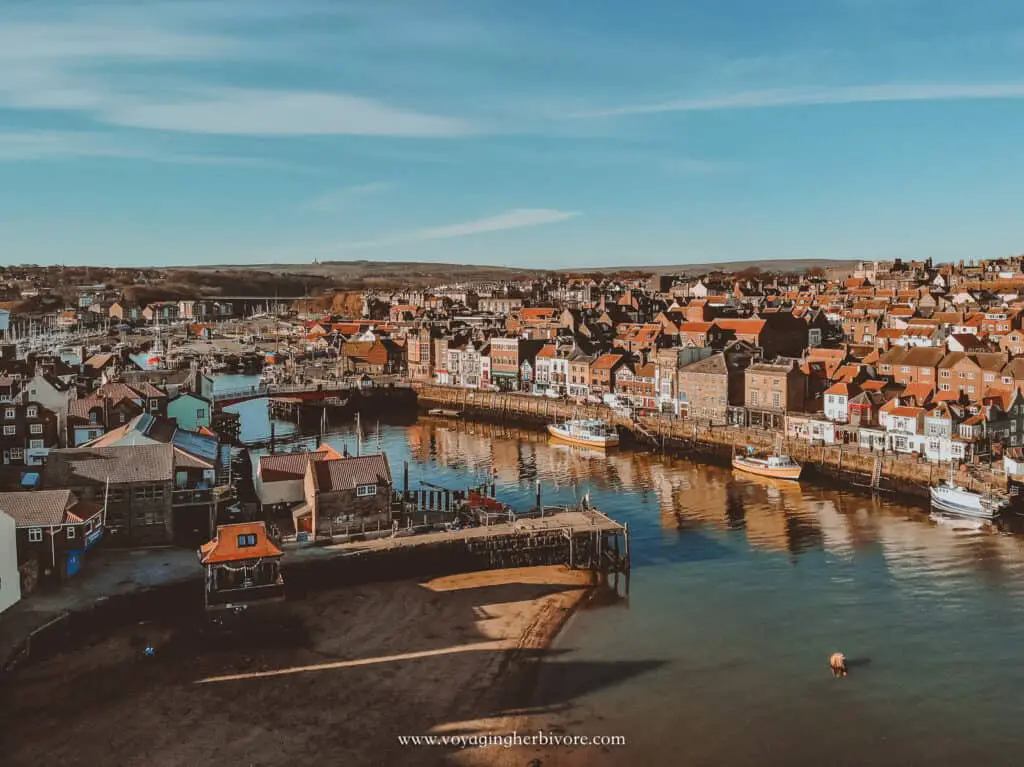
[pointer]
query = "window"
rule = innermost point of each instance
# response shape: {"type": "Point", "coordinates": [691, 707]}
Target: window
{"type": "Point", "coordinates": [945, 373]}
{"type": "Point", "coordinates": [115, 495]}
{"type": "Point", "coordinates": [9, 431]}
{"type": "Point", "coordinates": [904, 370]}
{"type": "Point", "coordinates": [776, 400]}
{"type": "Point", "coordinates": [753, 398]}
{"type": "Point", "coordinates": [365, 490]}
{"type": "Point", "coordinates": [149, 493]}
{"type": "Point", "coordinates": [149, 516]}
{"type": "Point", "coordinates": [36, 428]}
{"type": "Point", "coordinates": [94, 417]}
{"type": "Point", "coordinates": [17, 454]}
{"type": "Point", "coordinates": [35, 534]}
{"type": "Point", "coordinates": [71, 532]}
{"type": "Point", "coordinates": [32, 412]}
{"type": "Point", "coordinates": [9, 414]}
{"type": "Point", "coordinates": [36, 444]}
{"type": "Point", "coordinates": [246, 540]}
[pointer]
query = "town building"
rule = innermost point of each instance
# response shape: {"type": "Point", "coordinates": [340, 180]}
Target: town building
{"type": "Point", "coordinates": [243, 567]}
{"type": "Point", "coordinates": [344, 494]}
{"type": "Point", "coordinates": [279, 480]}
{"type": "Point", "coordinates": [772, 389]}
{"type": "Point", "coordinates": [54, 529]}
{"type": "Point", "coordinates": [135, 483]}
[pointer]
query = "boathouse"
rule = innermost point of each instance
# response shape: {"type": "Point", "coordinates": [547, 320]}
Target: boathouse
{"type": "Point", "coordinates": [243, 567]}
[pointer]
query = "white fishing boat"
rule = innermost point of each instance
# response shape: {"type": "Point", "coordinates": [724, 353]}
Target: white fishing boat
{"type": "Point", "coordinates": [772, 466]}
{"type": "Point", "coordinates": [586, 432]}
{"type": "Point", "coordinates": [951, 498]}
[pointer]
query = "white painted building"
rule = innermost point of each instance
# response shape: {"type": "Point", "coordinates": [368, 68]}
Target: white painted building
{"type": "Point", "coordinates": [837, 402]}
{"type": "Point", "coordinates": [10, 578]}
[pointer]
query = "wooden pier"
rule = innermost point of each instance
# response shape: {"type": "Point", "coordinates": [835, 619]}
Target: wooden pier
{"type": "Point", "coordinates": [577, 537]}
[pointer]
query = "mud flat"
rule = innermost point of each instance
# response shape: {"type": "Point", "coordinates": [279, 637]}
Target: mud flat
{"type": "Point", "coordinates": [338, 675]}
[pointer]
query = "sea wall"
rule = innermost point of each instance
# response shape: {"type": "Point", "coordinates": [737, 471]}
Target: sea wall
{"type": "Point", "coordinates": [851, 464]}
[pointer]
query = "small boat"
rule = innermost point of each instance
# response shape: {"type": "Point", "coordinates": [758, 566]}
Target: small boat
{"type": "Point", "coordinates": [951, 498]}
{"type": "Point", "coordinates": [773, 466]}
{"type": "Point", "coordinates": [586, 432]}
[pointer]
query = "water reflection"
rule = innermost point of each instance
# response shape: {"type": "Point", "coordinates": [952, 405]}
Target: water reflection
{"type": "Point", "coordinates": [770, 515]}
{"type": "Point", "coordinates": [672, 504]}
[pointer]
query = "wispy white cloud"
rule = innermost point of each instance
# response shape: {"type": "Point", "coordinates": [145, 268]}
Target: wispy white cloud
{"type": "Point", "coordinates": [242, 111]}
{"type": "Point", "coordinates": [117, 73]}
{"type": "Point", "coordinates": [340, 198]}
{"type": "Point", "coordinates": [812, 96]}
{"type": "Point", "coordinates": [30, 146]}
{"type": "Point", "coordinates": [516, 218]}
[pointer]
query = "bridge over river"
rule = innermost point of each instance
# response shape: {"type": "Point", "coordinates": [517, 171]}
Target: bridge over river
{"type": "Point", "coordinates": [306, 390]}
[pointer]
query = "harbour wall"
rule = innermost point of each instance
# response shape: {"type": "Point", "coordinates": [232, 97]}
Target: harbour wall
{"type": "Point", "coordinates": [846, 463]}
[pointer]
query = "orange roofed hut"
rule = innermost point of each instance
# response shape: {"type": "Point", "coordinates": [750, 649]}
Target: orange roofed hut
{"type": "Point", "coordinates": [243, 566]}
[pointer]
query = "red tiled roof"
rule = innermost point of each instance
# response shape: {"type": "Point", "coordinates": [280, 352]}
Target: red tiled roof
{"type": "Point", "coordinates": [290, 466]}
{"type": "Point", "coordinates": [906, 411]}
{"type": "Point", "coordinates": [606, 362]}
{"type": "Point", "coordinates": [537, 313]}
{"type": "Point", "coordinates": [225, 548]}
{"type": "Point", "coordinates": [744, 327]}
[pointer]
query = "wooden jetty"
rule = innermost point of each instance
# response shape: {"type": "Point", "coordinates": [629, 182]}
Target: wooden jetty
{"type": "Point", "coordinates": [579, 537]}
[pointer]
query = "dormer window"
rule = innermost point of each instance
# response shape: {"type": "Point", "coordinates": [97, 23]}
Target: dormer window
{"type": "Point", "coordinates": [246, 540]}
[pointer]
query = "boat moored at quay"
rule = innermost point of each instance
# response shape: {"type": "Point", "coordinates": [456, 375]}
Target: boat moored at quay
{"type": "Point", "coordinates": [951, 498]}
{"type": "Point", "coordinates": [586, 432]}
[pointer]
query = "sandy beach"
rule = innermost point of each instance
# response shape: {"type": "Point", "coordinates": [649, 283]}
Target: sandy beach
{"type": "Point", "coordinates": [338, 675]}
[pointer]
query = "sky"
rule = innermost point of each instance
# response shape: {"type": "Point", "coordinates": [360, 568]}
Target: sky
{"type": "Point", "coordinates": [535, 133]}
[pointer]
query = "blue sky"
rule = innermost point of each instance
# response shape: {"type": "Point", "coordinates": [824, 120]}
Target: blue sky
{"type": "Point", "coordinates": [534, 133]}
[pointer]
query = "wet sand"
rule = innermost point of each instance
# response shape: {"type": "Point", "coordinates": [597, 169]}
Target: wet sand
{"type": "Point", "coordinates": [337, 676]}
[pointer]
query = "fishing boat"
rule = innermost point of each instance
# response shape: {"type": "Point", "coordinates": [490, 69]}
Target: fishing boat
{"type": "Point", "coordinates": [586, 432]}
{"type": "Point", "coordinates": [772, 466]}
{"type": "Point", "coordinates": [951, 498]}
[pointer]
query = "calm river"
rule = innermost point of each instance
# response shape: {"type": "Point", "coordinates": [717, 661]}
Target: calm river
{"type": "Point", "coordinates": [740, 591]}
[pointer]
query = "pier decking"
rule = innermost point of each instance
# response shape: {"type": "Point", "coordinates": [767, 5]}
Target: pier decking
{"type": "Point", "coordinates": [577, 537]}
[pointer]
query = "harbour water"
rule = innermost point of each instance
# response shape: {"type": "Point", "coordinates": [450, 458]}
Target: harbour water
{"type": "Point", "coordinates": [740, 591]}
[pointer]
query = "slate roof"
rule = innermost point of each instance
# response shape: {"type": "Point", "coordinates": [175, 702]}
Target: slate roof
{"type": "Point", "coordinates": [347, 473]}
{"type": "Point", "coordinates": [36, 507]}
{"type": "Point", "coordinates": [123, 465]}
{"type": "Point", "coordinates": [713, 365]}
